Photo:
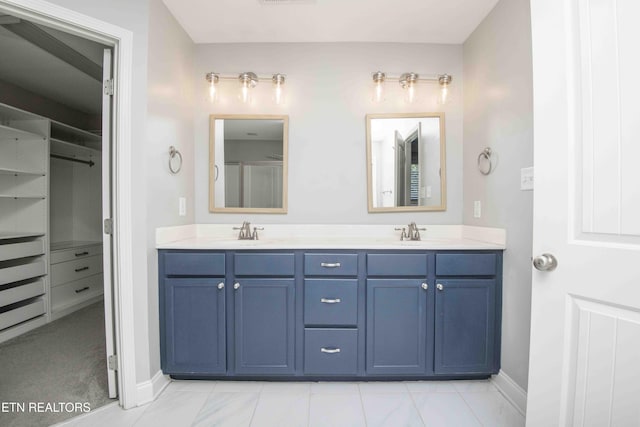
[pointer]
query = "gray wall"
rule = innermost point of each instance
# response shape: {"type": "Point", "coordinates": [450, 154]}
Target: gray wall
{"type": "Point", "coordinates": [498, 113]}
{"type": "Point", "coordinates": [169, 122]}
{"type": "Point", "coordinates": [329, 91]}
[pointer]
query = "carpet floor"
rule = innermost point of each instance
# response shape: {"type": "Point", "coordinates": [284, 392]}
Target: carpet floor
{"type": "Point", "coordinates": [58, 364]}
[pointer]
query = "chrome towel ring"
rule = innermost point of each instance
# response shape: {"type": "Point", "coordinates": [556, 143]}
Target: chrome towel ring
{"type": "Point", "coordinates": [174, 154]}
{"type": "Point", "coordinates": [485, 164]}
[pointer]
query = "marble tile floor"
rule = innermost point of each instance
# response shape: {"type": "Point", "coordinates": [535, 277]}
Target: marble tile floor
{"type": "Point", "coordinates": [323, 404]}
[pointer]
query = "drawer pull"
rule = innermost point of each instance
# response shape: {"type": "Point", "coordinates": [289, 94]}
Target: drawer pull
{"type": "Point", "coordinates": [82, 253]}
{"type": "Point", "coordinates": [86, 288]}
{"type": "Point", "coordinates": [78, 270]}
{"type": "Point", "coordinates": [330, 350]}
{"type": "Point", "coordinates": [330, 264]}
{"type": "Point", "coordinates": [330, 301]}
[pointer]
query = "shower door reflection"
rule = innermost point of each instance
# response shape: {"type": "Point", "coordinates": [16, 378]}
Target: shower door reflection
{"type": "Point", "coordinates": [253, 184]}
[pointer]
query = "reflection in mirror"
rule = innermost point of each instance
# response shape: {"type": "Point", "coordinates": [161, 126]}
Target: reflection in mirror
{"type": "Point", "coordinates": [406, 162]}
{"type": "Point", "coordinates": [248, 163]}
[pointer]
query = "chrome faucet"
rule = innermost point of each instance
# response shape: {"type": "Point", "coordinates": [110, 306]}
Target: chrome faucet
{"type": "Point", "coordinates": [413, 232]}
{"type": "Point", "coordinates": [246, 233]}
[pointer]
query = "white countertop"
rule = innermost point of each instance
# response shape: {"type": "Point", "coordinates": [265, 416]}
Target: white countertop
{"type": "Point", "coordinates": [313, 236]}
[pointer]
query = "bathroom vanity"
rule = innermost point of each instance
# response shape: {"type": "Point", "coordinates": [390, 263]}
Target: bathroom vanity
{"type": "Point", "coordinates": [328, 309]}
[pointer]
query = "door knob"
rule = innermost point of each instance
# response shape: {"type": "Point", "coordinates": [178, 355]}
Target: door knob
{"type": "Point", "coordinates": [545, 262]}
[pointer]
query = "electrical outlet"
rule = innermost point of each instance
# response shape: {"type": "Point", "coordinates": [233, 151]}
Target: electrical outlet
{"type": "Point", "coordinates": [182, 206]}
{"type": "Point", "coordinates": [477, 209]}
{"type": "Point", "coordinates": [526, 178]}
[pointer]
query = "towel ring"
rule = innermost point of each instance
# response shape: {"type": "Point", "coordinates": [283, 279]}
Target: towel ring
{"type": "Point", "coordinates": [485, 165]}
{"type": "Point", "coordinates": [173, 154]}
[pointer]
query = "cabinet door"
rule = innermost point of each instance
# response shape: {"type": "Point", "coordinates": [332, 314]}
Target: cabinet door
{"type": "Point", "coordinates": [396, 326]}
{"type": "Point", "coordinates": [264, 326]}
{"type": "Point", "coordinates": [465, 326]}
{"type": "Point", "coordinates": [193, 326]}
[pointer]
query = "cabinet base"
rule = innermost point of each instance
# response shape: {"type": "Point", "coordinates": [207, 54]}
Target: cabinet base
{"type": "Point", "coordinates": [329, 378]}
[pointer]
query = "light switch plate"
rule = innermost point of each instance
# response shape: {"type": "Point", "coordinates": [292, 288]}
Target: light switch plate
{"type": "Point", "coordinates": [182, 206]}
{"type": "Point", "coordinates": [526, 178]}
{"type": "Point", "coordinates": [477, 209]}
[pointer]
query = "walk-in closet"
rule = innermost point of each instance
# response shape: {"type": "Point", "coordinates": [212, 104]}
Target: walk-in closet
{"type": "Point", "coordinates": [51, 248]}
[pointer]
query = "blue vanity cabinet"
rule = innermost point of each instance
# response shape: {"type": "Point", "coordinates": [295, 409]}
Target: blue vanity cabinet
{"type": "Point", "coordinates": [468, 312]}
{"type": "Point", "coordinates": [399, 318]}
{"type": "Point", "coordinates": [192, 327]}
{"type": "Point", "coordinates": [264, 311]}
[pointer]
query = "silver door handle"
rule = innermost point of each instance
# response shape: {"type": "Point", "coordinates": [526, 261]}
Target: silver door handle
{"type": "Point", "coordinates": [330, 350]}
{"type": "Point", "coordinates": [545, 262]}
{"type": "Point", "coordinates": [330, 264]}
{"type": "Point", "coordinates": [236, 286]}
{"type": "Point", "coordinates": [439, 287]}
{"type": "Point", "coordinates": [425, 286]}
{"type": "Point", "coordinates": [330, 301]}
{"type": "Point", "coordinates": [221, 285]}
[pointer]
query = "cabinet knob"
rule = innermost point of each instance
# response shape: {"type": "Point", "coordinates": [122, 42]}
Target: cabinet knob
{"type": "Point", "coordinates": [425, 286]}
{"type": "Point", "coordinates": [236, 285]}
{"type": "Point", "coordinates": [221, 285]}
{"type": "Point", "coordinates": [440, 287]}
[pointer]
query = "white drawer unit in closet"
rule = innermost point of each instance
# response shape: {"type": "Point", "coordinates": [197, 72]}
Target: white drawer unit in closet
{"type": "Point", "coordinates": [76, 276]}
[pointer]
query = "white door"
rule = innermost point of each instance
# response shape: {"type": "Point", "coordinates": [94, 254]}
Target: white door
{"type": "Point", "coordinates": [585, 321]}
{"type": "Point", "coordinates": [107, 214]}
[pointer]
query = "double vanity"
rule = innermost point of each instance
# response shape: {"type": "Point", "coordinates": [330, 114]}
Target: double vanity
{"type": "Point", "coordinates": [322, 302]}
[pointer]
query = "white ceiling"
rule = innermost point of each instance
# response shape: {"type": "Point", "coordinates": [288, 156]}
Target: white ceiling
{"type": "Point", "coordinates": [402, 21]}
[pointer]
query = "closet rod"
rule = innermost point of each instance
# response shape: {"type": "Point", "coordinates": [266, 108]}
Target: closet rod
{"type": "Point", "coordinates": [73, 159]}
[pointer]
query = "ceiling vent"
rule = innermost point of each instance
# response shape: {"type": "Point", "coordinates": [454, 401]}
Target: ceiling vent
{"type": "Point", "coordinates": [283, 2]}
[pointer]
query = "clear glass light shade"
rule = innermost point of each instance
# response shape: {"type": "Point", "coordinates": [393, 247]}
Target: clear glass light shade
{"type": "Point", "coordinates": [409, 82]}
{"type": "Point", "coordinates": [247, 82]}
{"type": "Point", "coordinates": [278, 89]}
{"type": "Point", "coordinates": [445, 89]}
{"type": "Point", "coordinates": [378, 87]}
{"type": "Point", "coordinates": [213, 80]}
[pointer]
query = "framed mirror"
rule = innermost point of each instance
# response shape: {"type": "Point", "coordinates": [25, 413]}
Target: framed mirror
{"type": "Point", "coordinates": [248, 163]}
{"type": "Point", "coordinates": [406, 162]}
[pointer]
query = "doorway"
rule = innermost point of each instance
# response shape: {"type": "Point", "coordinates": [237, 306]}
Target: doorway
{"type": "Point", "coordinates": [119, 42]}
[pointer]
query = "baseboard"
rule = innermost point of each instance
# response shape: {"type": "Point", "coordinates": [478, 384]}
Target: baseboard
{"type": "Point", "coordinates": [512, 391]}
{"type": "Point", "coordinates": [148, 391]}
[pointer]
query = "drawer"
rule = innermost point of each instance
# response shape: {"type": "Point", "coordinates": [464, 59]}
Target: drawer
{"type": "Point", "coordinates": [331, 302]}
{"type": "Point", "coordinates": [21, 293]}
{"type": "Point", "coordinates": [75, 292]}
{"type": "Point", "coordinates": [13, 271]}
{"type": "Point", "coordinates": [194, 264]}
{"type": "Point", "coordinates": [396, 264]}
{"type": "Point", "coordinates": [74, 270]}
{"type": "Point", "coordinates": [78, 252]}
{"type": "Point", "coordinates": [21, 314]}
{"type": "Point", "coordinates": [264, 264]}
{"type": "Point", "coordinates": [466, 264]}
{"type": "Point", "coordinates": [331, 351]}
{"type": "Point", "coordinates": [331, 264]}
{"type": "Point", "coordinates": [21, 249]}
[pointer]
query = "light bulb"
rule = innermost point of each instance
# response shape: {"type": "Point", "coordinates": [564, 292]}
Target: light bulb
{"type": "Point", "coordinates": [213, 79]}
{"type": "Point", "coordinates": [278, 88]}
{"type": "Point", "coordinates": [378, 86]}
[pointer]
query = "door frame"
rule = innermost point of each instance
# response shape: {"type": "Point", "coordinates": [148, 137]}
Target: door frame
{"type": "Point", "coordinates": [121, 40]}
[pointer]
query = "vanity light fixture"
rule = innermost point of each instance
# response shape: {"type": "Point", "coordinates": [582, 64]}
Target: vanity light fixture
{"type": "Point", "coordinates": [248, 80]}
{"type": "Point", "coordinates": [408, 82]}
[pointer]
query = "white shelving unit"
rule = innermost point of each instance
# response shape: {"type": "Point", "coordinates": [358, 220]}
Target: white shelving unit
{"type": "Point", "coordinates": [24, 254]}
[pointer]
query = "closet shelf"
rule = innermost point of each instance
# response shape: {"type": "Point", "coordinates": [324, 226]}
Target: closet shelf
{"type": "Point", "coordinates": [65, 148]}
{"type": "Point", "coordinates": [9, 133]}
{"type": "Point", "coordinates": [11, 196]}
{"type": "Point", "coordinates": [9, 171]}
{"type": "Point", "coordinates": [78, 137]}
{"type": "Point", "coordinates": [6, 235]}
